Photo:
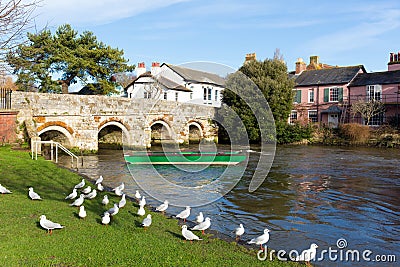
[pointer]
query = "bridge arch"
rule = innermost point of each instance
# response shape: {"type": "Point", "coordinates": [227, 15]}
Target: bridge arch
{"type": "Point", "coordinates": [53, 132]}
{"type": "Point", "coordinates": [125, 138]}
{"type": "Point", "coordinates": [195, 131]}
{"type": "Point", "coordinates": [160, 131]}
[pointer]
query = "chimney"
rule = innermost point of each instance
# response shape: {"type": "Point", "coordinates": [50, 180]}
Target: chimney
{"type": "Point", "coordinates": [394, 61]}
{"type": "Point", "coordinates": [155, 68]}
{"type": "Point", "coordinates": [300, 66]}
{"type": "Point", "coordinates": [141, 69]}
{"type": "Point", "coordinates": [314, 60]}
{"type": "Point", "coordinates": [250, 57]}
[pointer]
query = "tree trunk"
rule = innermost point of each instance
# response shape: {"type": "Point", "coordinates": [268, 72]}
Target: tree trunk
{"type": "Point", "coordinates": [64, 87]}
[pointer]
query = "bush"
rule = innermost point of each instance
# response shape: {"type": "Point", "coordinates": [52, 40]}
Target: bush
{"type": "Point", "coordinates": [355, 133]}
{"type": "Point", "coordinates": [291, 133]}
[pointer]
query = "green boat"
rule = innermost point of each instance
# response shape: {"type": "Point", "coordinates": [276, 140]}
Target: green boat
{"type": "Point", "coordinates": [185, 157]}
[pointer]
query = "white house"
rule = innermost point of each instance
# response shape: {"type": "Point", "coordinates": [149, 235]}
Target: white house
{"type": "Point", "coordinates": [173, 83]}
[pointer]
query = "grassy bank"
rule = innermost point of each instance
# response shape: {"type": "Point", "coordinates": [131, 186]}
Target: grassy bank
{"type": "Point", "coordinates": [86, 242]}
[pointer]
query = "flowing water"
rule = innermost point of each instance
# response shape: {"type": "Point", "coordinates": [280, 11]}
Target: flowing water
{"type": "Point", "coordinates": [312, 194]}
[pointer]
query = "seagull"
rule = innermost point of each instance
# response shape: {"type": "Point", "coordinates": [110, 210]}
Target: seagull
{"type": "Point", "coordinates": [49, 225]}
{"type": "Point", "coordinates": [99, 180]}
{"type": "Point", "coordinates": [203, 225]}
{"type": "Point", "coordinates": [33, 195]}
{"type": "Point", "coordinates": [106, 218]}
{"type": "Point", "coordinates": [184, 214]}
{"type": "Point", "coordinates": [122, 202]}
{"type": "Point", "coordinates": [147, 221]}
{"type": "Point", "coordinates": [308, 254]}
{"type": "Point", "coordinates": [80, 185]}
{"type": "Point", "coordinates": [87, 190]}
{"type": "Point", "coordinates": [200, 217]}
{"type": "Point", "coordinates": [141, 211]}
{"type": "Point", "coordinates": [78, 201]}
{"type": "Point", "coordinates": [82, 212]}
{"type": "Point", "coordinates": [163, 207]}
{"type": "Point", "coordinates": [4, 190]}
{"type": "Point", "coordinates": [188, 235]}
{"type": "Point", "coordinates": [72, 195]}
{"type": "Point", "coordinates": [100, 187]}
{"type": "Point", "coordinates": [142, 202]}
{"type": "Point", "coordinates": [92, 194]}
{"type": "Point", "coordinates": [239, 231]}
{"type": "Point", "coordinates": [262, 239]}
{"type": "Point", "coordinates": [114, 210]}
{"type": "Point", "coordinates": [121, 187]}
{"type": "Point", "coordinates": [105, 200]}
{"type": "Point", "coordinates": [137, 195]}
{"type": "Point", "coordinates": [118, 192]}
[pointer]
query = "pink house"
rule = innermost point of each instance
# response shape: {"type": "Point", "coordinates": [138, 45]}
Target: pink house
{"type": "Point", "coordinates": [321, 94]}
{"type": "Point", "coordinates": [381, 86]}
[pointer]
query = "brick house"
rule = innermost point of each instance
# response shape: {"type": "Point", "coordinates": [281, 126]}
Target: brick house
{"type": "Point", "coordinates": [321, 92]}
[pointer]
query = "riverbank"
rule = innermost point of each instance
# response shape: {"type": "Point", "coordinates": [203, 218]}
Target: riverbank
{"type": "Point", "coordinates": [86, 242]}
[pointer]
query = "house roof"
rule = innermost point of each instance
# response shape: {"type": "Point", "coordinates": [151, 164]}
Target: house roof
{"type": "Point", "coordinates": [385, 77]}
{"type": "Point", "coordinates": [163, 81]}
{"type": "Point", "coordinates": [196, 75]}
{"type": "Point", "coordinates": [337, 75]}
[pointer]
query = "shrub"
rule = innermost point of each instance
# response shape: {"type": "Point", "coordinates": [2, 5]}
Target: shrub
{"type": "Point", "coordinates": [291, 133]}
{"type": "Point", "coordinates": [355, 133]}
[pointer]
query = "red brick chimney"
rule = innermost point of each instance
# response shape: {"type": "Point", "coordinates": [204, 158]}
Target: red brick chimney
{"type": "Point", "coordinates": [155, 68]}
{"type": "Point", "coordinates": [300, 66]}
{"type": "Point", "coordinates": [141, 69]}
{"type": "Point", "coordinates": [394, 61]}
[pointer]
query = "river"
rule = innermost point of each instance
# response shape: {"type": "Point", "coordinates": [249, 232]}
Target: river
{"type": "Point", "coordinates": [313, 194]}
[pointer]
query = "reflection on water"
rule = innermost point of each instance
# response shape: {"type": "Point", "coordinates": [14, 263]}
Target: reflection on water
{"type": "Point", "coordinates": [312, 194]}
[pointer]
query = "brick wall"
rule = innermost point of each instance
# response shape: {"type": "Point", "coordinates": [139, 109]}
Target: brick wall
{"type": "Point", "coordinates": [8, 126]}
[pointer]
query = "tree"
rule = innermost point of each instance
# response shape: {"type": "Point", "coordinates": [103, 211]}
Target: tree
{"type": "Point", "coordinates": [124, 78]}
{"type": "Point", "coordinates": [71, 57]}
{"type": "Point", "coordinates": [271, 78]}
{"type": "Point", "coordinates": [367, 109]}
{"type": "Point", "coordinates": [15, 19]}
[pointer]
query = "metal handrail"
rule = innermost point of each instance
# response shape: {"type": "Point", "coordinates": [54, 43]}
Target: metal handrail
{"type": "Point", "coordinates": [34, 149]}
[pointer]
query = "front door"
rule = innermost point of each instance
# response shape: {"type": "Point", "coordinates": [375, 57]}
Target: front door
{"type": "Point", "coordinates": [333, 120]}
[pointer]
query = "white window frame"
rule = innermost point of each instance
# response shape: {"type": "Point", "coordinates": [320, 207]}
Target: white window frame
{"type": "Point", "coordinates": [331, 94]}
{"type": "Point", "coordinates": [311, 97]}
{"type": "Point", "coordinates": [176, 96]}
{"type": "Point", "coordinates": [310, 119]}
{"type": "Point", "coordinates": [293, 116]}
{"type": "Point", "coordinates": [165, 96]}
{"type": "Point", "coordinates": [374, 92]}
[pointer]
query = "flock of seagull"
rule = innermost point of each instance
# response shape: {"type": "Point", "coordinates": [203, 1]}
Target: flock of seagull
{"type": "Point", "coordinates": [89, 193]}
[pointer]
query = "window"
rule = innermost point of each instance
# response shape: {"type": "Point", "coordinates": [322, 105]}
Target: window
{"type": "Point", "coordinates": [176, 96]}
{"type": "Point", "coordinates": [209, 93]}
{"type": "Point", "coordinates": [147, 95]}
{"type": "Point", "coordinates": [333, 94]}
{"type": "Point", "coordinates": [311, 96]}
{"type": "Point", "coordinates": [312, 116]}
{"type": "Point", "coordinates": [297, 96]}
{"type": "Point", "coordinates": [376, 120]}
{"type": "Point", "coordinates": [205, 93]}
{"type": "Point", "coordinates": [216, 95]}
{"type": "Point", "coordinates": [191, 96]}
{"type": "Point", "coordinates": [374, 92]}
{"type": "Point", "coordinates": [293, 117]}
{"type": "Point", "coordinates": [165, 95]}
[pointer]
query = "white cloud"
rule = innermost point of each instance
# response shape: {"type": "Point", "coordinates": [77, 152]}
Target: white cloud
{"type": "Point", "coordinates": [94, 12]}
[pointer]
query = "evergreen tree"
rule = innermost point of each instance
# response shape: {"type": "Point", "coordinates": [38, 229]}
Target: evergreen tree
{"type": "Point", "coordinates": [66, 55]}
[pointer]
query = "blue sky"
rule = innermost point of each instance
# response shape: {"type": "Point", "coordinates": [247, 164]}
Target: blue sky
{"type": "Point", "coordinates": [177, 31]}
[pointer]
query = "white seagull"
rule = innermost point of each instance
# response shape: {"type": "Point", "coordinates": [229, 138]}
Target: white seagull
{"type": "Point", "coordinates": [78, 201]}
{"type": "Point", "coordinates": [106, 218]}
{"type": "Point", "coordinates": [308, 254]}
{"type": "Point", "coordinates": [82, 212]}
{"type": "Point", "coordinates": [72, 195]}
{"type": "Point", "coordinates": [262, 239]}
{"type": "Point", "coordinates": [105, 200]}
{"type": "Point", "coordinates": [203, 225]}
{"type": "Point", "coordinates": [33, 195]}
{"type": "Point", "coordinates": [239, 231]}
{"type": "Point", "coordinates": [137, 195]}
{"type": "Point", "coordinates": [114, 210]}
{"type": "Point", "coordinates": [141, 211]}
{"type": "Point", "coordinates": [87, 190]}
{"type": "Point", "coordinates": [121, 187]}
{"type": "Point", "coordinates": [147, 221]}
{"type": "Point", "coordinates": [100, 187]}
{"type": "Point", "coordinates": [122, 202]}
{"type": "Point", "coordinates": [188, 235]}
{"type": "Point", "coordinates": [80, 185]}
{"type": "Point", "coordinates": [118, 192]}
{"type": "Point", "coordinates": [99, 180]}
{"type": "Point", "coordinates": [184, 214]}
{"type": "Point", "coordinates": [92, 194]}
{"type": "Point", "coordinates": [4, 190]}
{"type": "Point", "coordinates": [200, 217]}
{"type": "Point", "coordinates": [142, 202]}
{"type": "Point", "coordinates": [49, 225]}
{"type": "Point", "coordinates": [163, 207]}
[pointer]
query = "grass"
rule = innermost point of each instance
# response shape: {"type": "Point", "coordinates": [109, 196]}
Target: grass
{"type": "Point", "coordinates": [86, 242]}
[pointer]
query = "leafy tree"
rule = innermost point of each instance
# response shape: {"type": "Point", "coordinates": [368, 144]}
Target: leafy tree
{"type": "Point", "coordinates": [272, 80]}
{"type": "Point", "coordinates": [71, 57]}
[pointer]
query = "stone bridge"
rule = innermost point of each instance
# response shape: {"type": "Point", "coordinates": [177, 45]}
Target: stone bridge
{"type": "Point", "coordinates": [81, 121]}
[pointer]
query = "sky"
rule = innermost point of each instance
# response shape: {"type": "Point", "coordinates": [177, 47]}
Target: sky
{"type": "Point", "coordinates": [343, 33]}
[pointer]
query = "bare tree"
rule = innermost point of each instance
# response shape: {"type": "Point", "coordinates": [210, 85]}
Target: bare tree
{"type": "Point", "coordinates": [367, 109]}
{"type": "Point", "coordinates": [154, 89]}
{"type": "Point", "coordinates": [16, 17]}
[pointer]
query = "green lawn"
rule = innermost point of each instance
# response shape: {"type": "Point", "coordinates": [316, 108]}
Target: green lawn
{"type": "Point", "coordinates": [87, 242]}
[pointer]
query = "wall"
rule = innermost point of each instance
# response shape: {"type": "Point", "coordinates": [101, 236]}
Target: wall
{"type": "Point", "coordinates": [8, 126]}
